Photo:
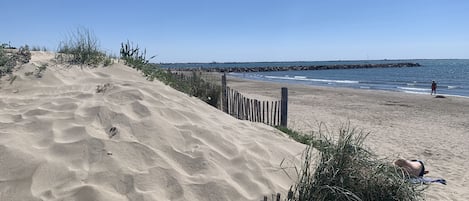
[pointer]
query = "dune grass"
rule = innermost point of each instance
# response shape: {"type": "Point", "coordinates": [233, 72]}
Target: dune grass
{"type": "Point", "coordinates": [345, 170]}
{"type": "Point", "coordinates": [81, 47]}
{"type": "Point", "coordinates": [302, 138]}
{"type": "Point", "coordinates": [193, 85]}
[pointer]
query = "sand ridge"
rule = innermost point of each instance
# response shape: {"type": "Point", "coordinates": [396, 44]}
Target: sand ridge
{"type": "Point", "coordinates": [136, 140]}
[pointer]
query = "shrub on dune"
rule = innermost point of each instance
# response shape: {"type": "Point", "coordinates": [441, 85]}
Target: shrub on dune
{"type": "Point", "coordinates": [134, 57]}
{"type": "Point", "coordinates": [10, 59]}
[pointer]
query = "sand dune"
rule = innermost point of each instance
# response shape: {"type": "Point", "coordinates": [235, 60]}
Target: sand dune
{"type": "Point", "coordinates": [136, 140]}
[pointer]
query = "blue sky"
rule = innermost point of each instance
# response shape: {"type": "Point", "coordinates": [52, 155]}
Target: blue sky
{"type": "Point", "coordinates": [250, 30]}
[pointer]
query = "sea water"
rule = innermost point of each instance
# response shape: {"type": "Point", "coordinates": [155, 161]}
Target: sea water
{"type": "Point", "coordinates": [451, 75]}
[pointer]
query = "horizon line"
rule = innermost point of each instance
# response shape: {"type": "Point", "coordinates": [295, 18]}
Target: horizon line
{"type": "Point", "coordinates": [292, 61]}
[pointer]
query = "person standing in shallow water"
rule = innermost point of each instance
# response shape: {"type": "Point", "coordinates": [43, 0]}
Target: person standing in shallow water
{"type": "Point", "coordinates": [433, 88]}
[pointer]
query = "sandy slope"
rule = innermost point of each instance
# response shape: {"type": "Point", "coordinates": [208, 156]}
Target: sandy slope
{"type": "Point", "coordinates": [55, 141]}
{"type": "Point", "coordinates": [411, 126]}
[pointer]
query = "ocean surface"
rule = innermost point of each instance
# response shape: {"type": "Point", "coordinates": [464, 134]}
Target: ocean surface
{"type": "Point", "coordinates": [452, 75]}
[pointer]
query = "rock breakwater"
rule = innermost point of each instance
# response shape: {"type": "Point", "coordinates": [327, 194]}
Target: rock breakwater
{"type": "Point", "coordinates": [296, 68]}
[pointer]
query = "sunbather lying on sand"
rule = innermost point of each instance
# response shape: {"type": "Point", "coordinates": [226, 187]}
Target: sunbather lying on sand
{"type": "Point", "coordinates": [414, 168]}
{"type": "Point", "coordinates": [416, 171]}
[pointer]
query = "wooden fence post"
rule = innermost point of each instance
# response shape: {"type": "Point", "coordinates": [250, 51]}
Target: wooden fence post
{"type": "Point", "coordinates": [263, 112]}
{"type": "Point", "coordinates": [224, 93]}
{"type": "Point", "coordinates": [284, 107]}
{"type": "Point", "coordinates": [245, 108]}
{"type": "Point", "coordinates": [275, 114]}
{"type": "Point", "coordinates": [248, 114]}
{"type": "Point", "coordinates": [258, 111]}
{"type": "Point", "coordinates": [252, 110]}
{"type": "Point", "coordinates": [255, 110]}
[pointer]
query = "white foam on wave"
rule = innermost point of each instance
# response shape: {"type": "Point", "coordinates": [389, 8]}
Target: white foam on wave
{"type": "Point", "coordinates": [414, 92]}
{"type": "Point", "coordinates": [303, 78]}
{"type": "Point", "coordinates": [413, 89]}
{"type": "Point", "coordinates": [347, 81]}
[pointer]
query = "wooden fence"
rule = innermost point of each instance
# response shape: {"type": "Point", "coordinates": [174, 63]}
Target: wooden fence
{"type": "Point", "coordinates": [267, 112]}
{"type": "Point", "coordinates": [272, 113]}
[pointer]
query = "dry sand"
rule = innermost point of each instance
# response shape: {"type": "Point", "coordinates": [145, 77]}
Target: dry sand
{"type": "Point", "coordinates": [435, 130]}
{"type": "Point", "coordinates": [137, 140]}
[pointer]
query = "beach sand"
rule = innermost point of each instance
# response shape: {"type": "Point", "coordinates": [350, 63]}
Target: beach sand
{"type": "Point", "coordinates": [134, 140]}
{"type": "Point", "coordinates": [410, 126]}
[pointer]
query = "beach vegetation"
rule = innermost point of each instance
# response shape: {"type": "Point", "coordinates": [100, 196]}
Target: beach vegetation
{"type": "Point", "coordinates": [195, 85]}
{"type": "Point", "coordinates": [23, 55]}
{"type": "Point", "coordinates": [297, 136]}
{"type": "Point", "coordinates": [344, 169]}
{"type": "Point", "coordinates": [108, 61]}
{"type": "Point", "coordinates": [81, 47]}
{"type": "Point", "coordinates": [4, 60]}
{"type": "Point", "coordinates": [133, 56]}
{"type": "Point", "coordinates": [192, 84]}
{"type": "Point", "coordinates": [136, 58]}
{"type": "Point", "coordinates": [10, 58]}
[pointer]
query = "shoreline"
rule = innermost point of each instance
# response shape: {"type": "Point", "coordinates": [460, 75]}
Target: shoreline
{"type": "Point", "coordinates": [355, 88]}
{"type": "Point", "coordinates": [413, 126]}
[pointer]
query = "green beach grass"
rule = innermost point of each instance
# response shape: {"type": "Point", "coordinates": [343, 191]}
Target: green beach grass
{"type": "Point", "coordinates": [344, 169]}
{"type": "Point", "coordinates": [82, 48]}
{"type": "Point", "coordinates": [193, 85]}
